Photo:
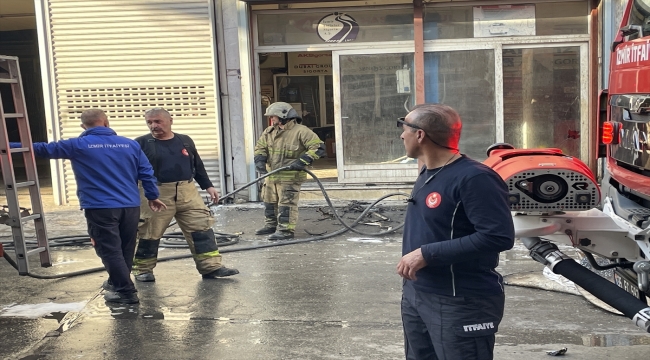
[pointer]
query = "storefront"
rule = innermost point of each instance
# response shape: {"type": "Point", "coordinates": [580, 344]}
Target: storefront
{"type": "Point", "coordinates": [517, 72]}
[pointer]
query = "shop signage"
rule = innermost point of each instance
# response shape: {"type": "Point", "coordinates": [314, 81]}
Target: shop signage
{"type": "Point", "coordinates": [337, 27]}
{"type": "Point", "coordinates": [504, 20]}
{"type": "Point", "coordinates": [310, 63]}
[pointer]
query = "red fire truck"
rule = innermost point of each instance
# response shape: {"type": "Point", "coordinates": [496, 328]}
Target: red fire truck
{"type": "Point", "coordinates": [625, 129]}
{"type": "Point", "coordinates": [555, 198]}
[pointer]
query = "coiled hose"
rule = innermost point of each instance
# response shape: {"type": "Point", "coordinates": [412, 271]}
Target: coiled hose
{"type": "Point", "coordinates": [81, 240]}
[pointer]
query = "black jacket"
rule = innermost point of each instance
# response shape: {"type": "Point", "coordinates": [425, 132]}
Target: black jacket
{"type": "Point", "coordinates": [460, 218]}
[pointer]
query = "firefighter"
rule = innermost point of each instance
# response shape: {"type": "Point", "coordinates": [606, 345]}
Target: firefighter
{"type": "Point", "coordinates": [285, 143]}
{"type": "Point", "coordinates": [457, 222]}
{"type": "Point", "coordinates": [177, 164]}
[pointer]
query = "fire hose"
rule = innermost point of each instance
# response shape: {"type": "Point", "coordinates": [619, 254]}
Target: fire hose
{"type": "Point", "coordinates": [548, 254]}
{"type": "Point", "coordinates": [344, 229]}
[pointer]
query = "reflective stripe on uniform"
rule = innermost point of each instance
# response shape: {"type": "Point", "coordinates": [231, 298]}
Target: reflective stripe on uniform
{"type": "Point", "coordinates": [207, 255]}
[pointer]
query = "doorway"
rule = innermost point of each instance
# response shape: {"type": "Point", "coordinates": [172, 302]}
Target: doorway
{"type": "Point", "coordinates": [304, 80]}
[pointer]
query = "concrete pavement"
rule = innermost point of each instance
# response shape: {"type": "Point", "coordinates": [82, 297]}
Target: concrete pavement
{"type": "Point", "coordinates": [331, 299]}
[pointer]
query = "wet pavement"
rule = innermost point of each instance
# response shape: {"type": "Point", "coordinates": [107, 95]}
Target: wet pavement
{"type": "Point", "coordinates": [332, 299]}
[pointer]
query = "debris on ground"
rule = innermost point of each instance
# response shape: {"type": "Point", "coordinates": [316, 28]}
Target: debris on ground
{"type": "Point", "coordinates": [560, 352]}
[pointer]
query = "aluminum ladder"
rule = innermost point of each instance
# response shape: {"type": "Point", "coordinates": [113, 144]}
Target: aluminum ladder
{"type": "Point", "coordinates": [16, 216]}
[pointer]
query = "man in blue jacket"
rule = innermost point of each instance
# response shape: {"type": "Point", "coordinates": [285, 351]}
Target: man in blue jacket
{"type": "Point", "coordinates": [107, 168]}
{"type": "Point", "coordinates": [457, 221]}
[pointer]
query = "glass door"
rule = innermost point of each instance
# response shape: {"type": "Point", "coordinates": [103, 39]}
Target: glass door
{"type": "Point", "coordinates": [545, 97]}
{"type": "Point", "coordinates": [466, 80]}
{"type": "Point", "coordinates": [530, 96]}
{"type": "Point", "coordinates": [372, 90]}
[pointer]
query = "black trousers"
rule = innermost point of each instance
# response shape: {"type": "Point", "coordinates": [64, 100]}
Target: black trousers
{"type": "Point", "coordinates": [114, 233]}
{"type": "Point", "coordinates": [438, 327]}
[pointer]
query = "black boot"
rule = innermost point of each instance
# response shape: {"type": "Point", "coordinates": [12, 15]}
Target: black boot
{"type": "Point", "coordinates": [108, 286]}
{"type": "Point", "coordinates": [269, 218]}
{"type": "Point", "coordinates": [268, 229]}
{"type": "Point", "coordinates": [146, 277]}
{"type": "Point", "coordinates": [121, 298]}
{"type": "Point", "coordinates": [281, 235]}
{"type": "Point", "coordinates": [221, 272]}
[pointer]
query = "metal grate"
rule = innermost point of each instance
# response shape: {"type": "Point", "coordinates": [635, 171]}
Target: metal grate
{"type": "Point", "coordinates": [126, 56]}
{"type": "Point", "coordinates": [566, 204]}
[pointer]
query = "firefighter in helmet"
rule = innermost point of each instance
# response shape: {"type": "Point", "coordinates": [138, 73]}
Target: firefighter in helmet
{"type": "Point", "coordinates": [285, 143]}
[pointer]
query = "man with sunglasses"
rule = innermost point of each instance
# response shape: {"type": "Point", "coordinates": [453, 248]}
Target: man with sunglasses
{"type": "Point", "coordinates": [457, 221]}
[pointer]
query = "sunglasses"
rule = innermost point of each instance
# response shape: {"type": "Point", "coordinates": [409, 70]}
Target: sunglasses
{"type": "Point", "coordinates": [401, 122]}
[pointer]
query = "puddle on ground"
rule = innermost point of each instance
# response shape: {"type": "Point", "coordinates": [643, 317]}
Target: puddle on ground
{"type": "Point", "coordinates": [607, 340]}
{"type": "Point", "coordinates": [365, 240]}
{"type": "Point", "coordinates": [132, 312]}
{"type": "Point", "coordinates": [34, 311]}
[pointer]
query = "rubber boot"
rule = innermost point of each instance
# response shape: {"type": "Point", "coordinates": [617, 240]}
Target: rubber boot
{"type": "Point", "coordinates": [268, 229]}
{"type": "Point", "coordinates": [281, 235]}
{"type": "Point", "coordinates": [221, 272]}
{"type": "Point", "coordinates": [270, 220]}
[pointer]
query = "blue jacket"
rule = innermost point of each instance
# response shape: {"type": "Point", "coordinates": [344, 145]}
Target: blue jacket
{"type": "Point", "coordinates": [106, 166]}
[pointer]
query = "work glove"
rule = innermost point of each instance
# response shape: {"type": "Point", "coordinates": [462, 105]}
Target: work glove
{"type": "Point", "coordinates": [298, 165]}
{"type": "Point", "coordinates": [261, 168]}
{"type": "Point", "coordinates": [260, 164]}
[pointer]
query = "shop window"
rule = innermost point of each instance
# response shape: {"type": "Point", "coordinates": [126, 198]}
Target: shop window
{"type": "Point", "coordinates": [464, 80]}
{"type": "Point", "coordinates": [335, 27]}
{"type": "Point", "coordinates": [459, 22]}
{"type": "Point", "coordinates": [375, 91]}
{"type": "Point", "coordinates": [541, 98]}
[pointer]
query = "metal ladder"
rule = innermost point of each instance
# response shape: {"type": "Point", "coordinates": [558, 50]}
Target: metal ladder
{"type": "Point", "coordinates": [17, 217]}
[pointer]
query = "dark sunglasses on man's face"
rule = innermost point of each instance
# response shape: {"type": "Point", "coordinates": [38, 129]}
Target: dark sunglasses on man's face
{"type": "Point", "coordinates": [401, 123]}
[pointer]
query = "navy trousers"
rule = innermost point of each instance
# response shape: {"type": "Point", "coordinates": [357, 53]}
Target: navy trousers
{"type": "Point", "coordinates": [438, 327]}
{"type": "Point", "coordinates": [114, 233]}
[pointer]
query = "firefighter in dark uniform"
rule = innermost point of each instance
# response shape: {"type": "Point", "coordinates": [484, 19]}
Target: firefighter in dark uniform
{"type": "Point", "coordinates": [285, 143]}
{"type": "Point", "coordinates": [177, 164]}
{"type": "Point", "coordinates": [457, 221]}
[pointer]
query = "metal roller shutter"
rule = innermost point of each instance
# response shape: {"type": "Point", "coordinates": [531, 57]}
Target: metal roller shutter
{"type": "Point", "coordinates": [126, 56]}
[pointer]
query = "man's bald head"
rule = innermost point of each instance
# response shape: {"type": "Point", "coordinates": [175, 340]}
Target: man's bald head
{"type": "Point", "coordinates": [93, 118]}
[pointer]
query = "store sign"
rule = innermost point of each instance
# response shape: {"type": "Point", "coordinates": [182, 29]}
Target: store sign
{"type": "Point", "coordinates": [337, 27]}
{"type": "Point", "coordinates": [310, 63]}
{"type": "Point", "coordinates": [504, 20]}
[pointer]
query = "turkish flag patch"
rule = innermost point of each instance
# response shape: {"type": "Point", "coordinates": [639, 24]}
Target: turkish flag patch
{"type": "Point", "coordinates": [184, 152]}
{"type": "Point", "coordinates": [433, 200]}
